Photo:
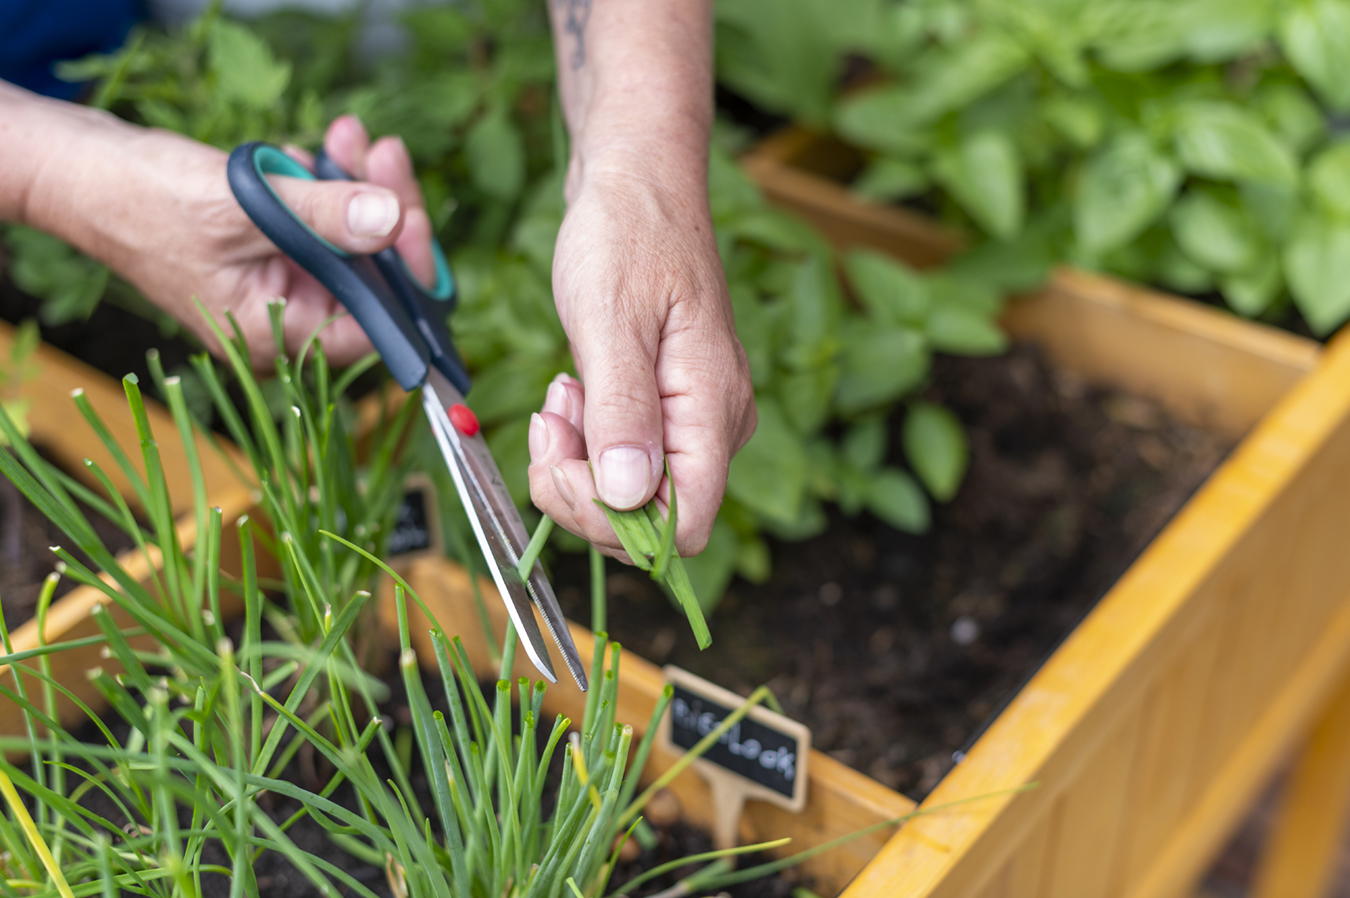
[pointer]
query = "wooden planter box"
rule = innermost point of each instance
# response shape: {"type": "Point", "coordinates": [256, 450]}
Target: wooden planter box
{"type": "Point", "coordinates": [1152, 728]}
{"type": "Point", "coordinates": [1223, 647]}
{"type": "Point", "coordinates": [59, 429]}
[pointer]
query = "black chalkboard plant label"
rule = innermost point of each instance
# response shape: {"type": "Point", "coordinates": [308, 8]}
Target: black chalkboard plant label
{"type": "Point", "coordinates": [417, 524]}
{"type": "Point", "coordinates": [763, 756]}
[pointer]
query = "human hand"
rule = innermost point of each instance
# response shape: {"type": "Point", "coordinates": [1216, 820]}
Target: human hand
{"type": "Point", "coordinates": [156, 207]}
{"type": "Point", "coordinates": [641, 294]}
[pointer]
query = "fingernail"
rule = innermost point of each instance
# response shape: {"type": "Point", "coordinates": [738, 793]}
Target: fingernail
{"type": "Point", "coordinates": [372, 214]}
{"type": "Point", "coordinates": [557, 401]}
{"type": "Point", "coordinates": [539, 438]}
{"type": "Point", "coordinates": [625, 474]}
{"type": "Point", "coordinates": [563, 486]}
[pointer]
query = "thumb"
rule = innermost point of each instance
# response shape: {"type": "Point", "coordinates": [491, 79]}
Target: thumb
{"type": "Point", "coordinates": [623, 419]}
{"type": "Point", "coordinates": [353, 215]}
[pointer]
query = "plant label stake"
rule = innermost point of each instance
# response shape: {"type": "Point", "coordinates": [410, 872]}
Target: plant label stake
{"type": "Point", "coordinates": [763, 756]}
{"type": "Point", "coordinates": [406, 323]}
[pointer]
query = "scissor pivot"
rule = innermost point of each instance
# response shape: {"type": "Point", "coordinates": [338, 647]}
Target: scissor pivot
{"type": "Point", "coordinates": [465, 421]}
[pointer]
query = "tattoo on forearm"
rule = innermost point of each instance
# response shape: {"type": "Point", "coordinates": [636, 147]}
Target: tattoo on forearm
{"type": "Point", "coordinates": [578, 12]}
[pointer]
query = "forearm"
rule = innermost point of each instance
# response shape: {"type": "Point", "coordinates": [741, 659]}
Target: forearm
{"type": "Point", "coordinates": [635, 77]}
{"type": "Point", "coordinates": [46, 148]}
{"type": "Point", "coordinates": [101, 184]}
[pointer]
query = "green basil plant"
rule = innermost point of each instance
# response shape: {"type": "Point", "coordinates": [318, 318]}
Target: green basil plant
{"type": "Point", "coordinates": [1193, 144]}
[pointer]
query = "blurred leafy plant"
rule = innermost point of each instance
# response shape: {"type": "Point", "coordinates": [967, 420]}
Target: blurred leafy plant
{"type": "Point", "coordinates": [1192, 144]}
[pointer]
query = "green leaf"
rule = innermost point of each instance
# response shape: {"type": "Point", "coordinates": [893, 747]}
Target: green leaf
{"type": "Point", "coordinates": [246, 72]}
{"type": "Point", "coordinates": [1315, 36]}
{"type": "Point", "coordinates": [768, 476]}
{"type": "Point", "coordinates": [963, 317]}
{"type": "Point", "coordinates": [1125, 186]}
{"type": "Point", "coordinates": [935, 445]}
{"type": "Point", "coordinates": [984, 173]}
{"type": "Point", "coordinates": [864, 444]}
{"type": "Point", "coordinates": [887, 180]}
{"type": "Point", "coordinates": [1251, 292]}
{"type": "Point", "coordinates": [754, 329]}
{"type": "Point", "coordinates": [879, 365]}
{"type": "Point", "coordinates": [1317, 267]}
{"type": "Point", "coordinates": [805, 396]}
{"type": "Point", "coordinates": [1077, 118]}
{"type": "Point", "coordinates": [1329, 178]}
{"type": "Point", "coordinates": [69, 282]}
{"type": "Point", "coordinates": [1292, 113]}
{"type": "Point", "coordinates": [1228, 143]}
{"type": "Point", "coordinates": [1216, 231]}
{"type": "Point", "coordinates": [1177, 271]}
{"type": "Point", "coordinates": [899, 501]}
{"type": "Point", "coordinates": [754, 562]}
{"type": "Point", "coordinates": [963, 331]}
{"type": "Point", "coordinates": [1002, 266]}
{"type": "Point", "coordinates": [887, 118]}
{"type": "Point", "coordinates": [813, 308]}
{"type": "Point", "coordinates": [882, 119]}
{"type": "Point", "coordinates": [786, 57]}
{"type": "Point", "coordinates": [495, 152]}
{"type": "Point", "coordinates": [891, 291]}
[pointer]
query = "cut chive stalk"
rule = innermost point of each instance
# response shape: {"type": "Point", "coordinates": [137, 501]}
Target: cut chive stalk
{"type": "Point", "coordinates": [531, 555]}
{"type": "Point", "coordinates": [654, 551]}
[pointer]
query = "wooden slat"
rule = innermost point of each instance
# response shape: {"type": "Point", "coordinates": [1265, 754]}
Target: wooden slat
{"type": "Point", "coordinates": [1232, 788]}
{"type": "Point", "coordinates": [1309, 827]}
{"type": "Point", "coordinates": [840, 800]}
{"type": "Point", "coordinates": [1169, 771]}
{"type": "Point", "coordinates": [59, 428]}
{"type": "Point", "coordinates": [1093, 816]}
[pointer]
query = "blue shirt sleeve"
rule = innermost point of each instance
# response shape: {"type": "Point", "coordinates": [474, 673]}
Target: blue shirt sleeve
{"type": "Point", "coordinates": [37, 34]}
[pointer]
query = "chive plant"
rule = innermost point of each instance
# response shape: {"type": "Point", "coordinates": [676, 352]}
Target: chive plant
{"type": "Point", "coordinates": [197, 735]}
{"type": "Point", "coordinates": [487, 781]}
{"type": "Point", "coordinates": [306, 470]}
{"type": "Point", "coordinates": [304, 461]}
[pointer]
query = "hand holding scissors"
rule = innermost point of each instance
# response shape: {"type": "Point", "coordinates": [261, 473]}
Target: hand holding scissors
{"type": "Point", "coordinates": [406, 324]}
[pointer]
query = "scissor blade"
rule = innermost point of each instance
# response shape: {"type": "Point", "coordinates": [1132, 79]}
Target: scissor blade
{"type": "Point", "coordinates": [500, 532]}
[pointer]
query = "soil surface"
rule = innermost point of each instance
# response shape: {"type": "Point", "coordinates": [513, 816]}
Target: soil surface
{"type": "Point", "coordinates": [897, 649]}
{"type": "Point", "coordinates": [26, 538]}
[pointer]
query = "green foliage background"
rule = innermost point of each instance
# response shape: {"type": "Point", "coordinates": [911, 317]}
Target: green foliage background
{"type": "Point", "coordinates": [1194, 144]}
{"type": "Point", "coordinates": [474, 101]}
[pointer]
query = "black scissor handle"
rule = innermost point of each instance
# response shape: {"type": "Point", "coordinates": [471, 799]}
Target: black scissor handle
{"type": "Point", "coordinates": [427, 308]}
{"type": "Point", "coordinates": [356, 281]}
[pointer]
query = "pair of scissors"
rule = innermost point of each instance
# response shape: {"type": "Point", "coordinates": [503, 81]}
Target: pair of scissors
{"type": "Point", "coordinates": [407, 325]}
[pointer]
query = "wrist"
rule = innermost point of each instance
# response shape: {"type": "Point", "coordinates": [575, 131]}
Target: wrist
{"type": "Point", "coordinates": [670, 156]}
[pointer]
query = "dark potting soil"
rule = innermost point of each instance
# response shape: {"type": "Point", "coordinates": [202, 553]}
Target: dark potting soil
{"type": "Point", "coordinates": [277, 877]}
{"type": "Point", "coordinates": [895, 649]}
{"type": "Point", "coordinates": [26, 538]}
